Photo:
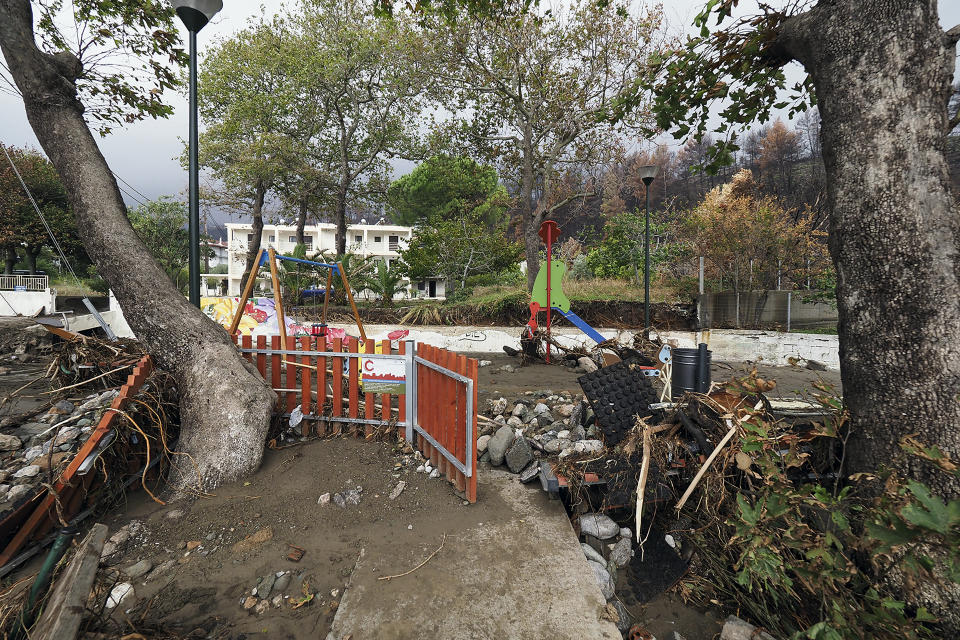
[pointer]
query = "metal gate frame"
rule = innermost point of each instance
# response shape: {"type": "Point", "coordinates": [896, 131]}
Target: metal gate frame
{"type": "Point", "coordinates": [433, 440]}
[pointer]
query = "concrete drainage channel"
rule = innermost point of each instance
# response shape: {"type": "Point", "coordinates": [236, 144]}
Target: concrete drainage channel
{"type": "Point", "coordinates": [593, 465]}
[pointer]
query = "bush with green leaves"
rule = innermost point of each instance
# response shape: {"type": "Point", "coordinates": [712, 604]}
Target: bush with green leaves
{"type": "Point", "coordinates": [620, 253]}
{"type": "Point", "coordinates": [829, 557]}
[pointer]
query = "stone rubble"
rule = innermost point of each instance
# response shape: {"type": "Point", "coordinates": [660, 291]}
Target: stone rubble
{"type": "Point", "coordinates": [41, 445]}
{"type": "Point", "coordinates": [536, 422]}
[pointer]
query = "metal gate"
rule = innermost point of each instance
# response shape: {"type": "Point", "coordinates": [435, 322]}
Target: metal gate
{"type": "Point", "coordinates": [427, 394]}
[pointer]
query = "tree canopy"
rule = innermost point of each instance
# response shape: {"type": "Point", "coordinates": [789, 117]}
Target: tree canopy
{"type": "Point", "coordinates": [441, 187]}
{"type": "Point", "coordinates": [22, 233]}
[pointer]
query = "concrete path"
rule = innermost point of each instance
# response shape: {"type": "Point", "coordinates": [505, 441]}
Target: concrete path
{"type": "Point", "coordinates": [514, 569]}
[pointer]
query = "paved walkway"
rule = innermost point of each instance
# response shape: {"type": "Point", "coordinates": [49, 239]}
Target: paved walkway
{"type": "Point", "coordinates": [513, 570]}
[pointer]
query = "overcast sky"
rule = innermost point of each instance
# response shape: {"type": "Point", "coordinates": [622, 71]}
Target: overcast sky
{"type": "Point", "coordinates": [145, 154]}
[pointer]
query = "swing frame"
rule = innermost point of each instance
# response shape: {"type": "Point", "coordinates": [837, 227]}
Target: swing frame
{"type": "Point", "coordinates": [270, 256]}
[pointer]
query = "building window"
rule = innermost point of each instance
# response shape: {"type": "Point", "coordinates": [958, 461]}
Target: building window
{"type": "Point", "coordinates": [308, 240]}
{"type": "Point", "coordinates": [249, 237]}
{"type": "Point", "coordinates": [292, 239]}
{"type": "Point", "coordinates": [421, 285]}
{"type": "Point", "coordinates": [394, 243]}
{"type": "Point", "coordinates": [358, 238]}
{"type": "Point", "coordinates": [272, 239]}
{"type": "Point", "coordinates": [377, 238]}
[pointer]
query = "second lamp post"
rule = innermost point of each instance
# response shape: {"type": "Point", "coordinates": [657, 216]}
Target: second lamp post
{"type": "Point", "coordinates": [647, 173]}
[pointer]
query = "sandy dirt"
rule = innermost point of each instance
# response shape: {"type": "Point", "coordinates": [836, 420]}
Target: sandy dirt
{"type": "Point", "coordinates": [281, 502]}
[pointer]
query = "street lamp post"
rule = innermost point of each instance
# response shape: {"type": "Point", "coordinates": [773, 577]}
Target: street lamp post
{"type": "Point", "coordinates": [647, 174]}
{"type": "Point", "coordinates": [195, 14]}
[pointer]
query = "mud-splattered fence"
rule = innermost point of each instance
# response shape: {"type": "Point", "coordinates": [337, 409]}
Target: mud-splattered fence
{"type": "Point", "coordinates": [368, 387]}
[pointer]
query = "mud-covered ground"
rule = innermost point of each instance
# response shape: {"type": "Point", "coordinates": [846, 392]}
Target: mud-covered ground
{"type": "Point", "coordinates": [208, 555]}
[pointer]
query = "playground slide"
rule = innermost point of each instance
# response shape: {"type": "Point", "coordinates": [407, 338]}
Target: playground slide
{"type": "Point", "coordinates": [581, 324]}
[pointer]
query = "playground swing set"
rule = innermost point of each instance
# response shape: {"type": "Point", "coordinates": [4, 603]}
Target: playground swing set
{"type": "Point", "coordinates": [318, 329]}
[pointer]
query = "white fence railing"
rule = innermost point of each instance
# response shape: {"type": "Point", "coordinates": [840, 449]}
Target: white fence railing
{"type": "Point", "coordinates": [24, 283]}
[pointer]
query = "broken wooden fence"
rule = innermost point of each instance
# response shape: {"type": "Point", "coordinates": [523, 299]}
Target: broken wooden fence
{"type": "Point", "coordinates": [40, 514]}
{"type": "Point", "coordinates": [341, 388]}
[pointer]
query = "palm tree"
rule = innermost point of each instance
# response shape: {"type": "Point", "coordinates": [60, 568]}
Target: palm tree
{"type": "Point", "coordinates": [384, 282]}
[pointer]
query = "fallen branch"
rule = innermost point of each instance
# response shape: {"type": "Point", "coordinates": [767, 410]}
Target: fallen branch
{"type": "Point", "coordinates": [80, 384]}
{"type": "Point", "coordinates": [430, 557]}
{"type": "Point", "coordinates": [703, 469]}
{"type": "Point", "coordinates": [642, 482]}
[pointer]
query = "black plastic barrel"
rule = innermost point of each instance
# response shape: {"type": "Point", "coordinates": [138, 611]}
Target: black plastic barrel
{"type": "Point", "coordinates": [688, 374]}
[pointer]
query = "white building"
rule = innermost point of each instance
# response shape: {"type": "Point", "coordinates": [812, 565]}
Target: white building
{"type": "Point", "coordinates": [383, 241]}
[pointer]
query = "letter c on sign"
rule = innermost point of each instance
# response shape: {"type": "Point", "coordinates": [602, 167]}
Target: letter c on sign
{"type": "Point", "coordinates": [368, 365]}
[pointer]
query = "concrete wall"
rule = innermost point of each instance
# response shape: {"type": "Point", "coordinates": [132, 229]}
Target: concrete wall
{"type": "Point", "coordinates": [771, 347]}
{"type": "Point", "coordinates": [27, 303]}
{"type": "Point", "coordinates": [763, 309]}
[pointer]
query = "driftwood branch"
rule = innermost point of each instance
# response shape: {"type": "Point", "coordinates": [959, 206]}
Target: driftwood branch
{"type": "Point", "coordinates": [706, 465]}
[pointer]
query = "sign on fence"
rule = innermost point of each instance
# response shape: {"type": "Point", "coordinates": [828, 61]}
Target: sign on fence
{"type": "Point", "coordinates": [384, 376]}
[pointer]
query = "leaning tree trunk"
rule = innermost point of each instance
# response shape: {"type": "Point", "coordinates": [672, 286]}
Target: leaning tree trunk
{"type": "Point", "coordinates": [225, 405]}
{"type": "Point", "coordinates": [881, 71]}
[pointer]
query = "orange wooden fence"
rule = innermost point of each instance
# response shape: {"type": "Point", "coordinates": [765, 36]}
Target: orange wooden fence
{"type": "Point", "coordinates": [435, 408]}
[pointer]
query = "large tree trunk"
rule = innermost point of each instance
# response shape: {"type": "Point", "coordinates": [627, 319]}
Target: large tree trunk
{"type": "Point", "coordinates": [531, 241]}
{"type": "Point", "coordinates": [225, 404]}
{"type": "Point", "coordinates": [253, 247]}
{"type": "Point", "coordinates": [341, 214]}
{"type": "Point", "coordinates": [301, 219]}
{"type": "Point", "coordinates": [882, 71]}
{"type": "Point", "coordinates": [30, 254]}
{"type": "Point", "coordinates": [9, 260]}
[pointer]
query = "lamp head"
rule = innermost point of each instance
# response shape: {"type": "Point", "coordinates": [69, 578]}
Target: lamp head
{"type": "Point", "coordinates": [647, 173]}
{"type": "Point", "coordinates": [195, 14]}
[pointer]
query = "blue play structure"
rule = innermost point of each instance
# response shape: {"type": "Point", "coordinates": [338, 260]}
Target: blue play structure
{"type": "Point", "coordinates": [581, 324]}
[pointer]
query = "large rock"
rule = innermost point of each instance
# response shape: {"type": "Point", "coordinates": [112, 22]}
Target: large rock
{"type": "Point", "coordinates": [18, 491]}
{"type": "Point", "coordinates": [541, 408]}
{"type": "Point", "coordinates": [565, 410]}
{"type": "Point", "coordinates": [499, 443]}
{"type": "Point", "coordinates": [520, 410]}
{"type": "Point", "coordinates": [519, 455]}
{"type": "Point", "coordinates": [598, 525]}
{"type": "Point", "coordinates": [623, 616]}
{"type": "Point", "coordinates": [30, 471]}
{"type": "Point", "coordinates": [736, 629]}
{"type": "Point", "coordinates": [66, 435]}
{"type": "Point", "coordinates": [9, 443]}
{"type": "Point", "coordinates": [592, 554]}
{"type": "Point", "coordinates": [498, 406]}
{"type": "Point", "coordinates": [588, 365]}
{"type": "Point", "coordinates": [607, 588]}
{"type": "Point", "coordinates": [621, 553]}
{"type": "Point", "coordinates": [482, 443]}
{"type": "Point", "coordinates": [141, 568]}
{"type": "Point", "coordinates": [514, 421]}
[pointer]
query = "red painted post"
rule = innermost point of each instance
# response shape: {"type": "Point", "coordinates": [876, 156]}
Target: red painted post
{"type": "Point", "coordinates": [291, 373]}
{"type": "Point", "coordinates": [275, 363]}
{"type": "Point", "coordinates": [337, 374]}
{"type": "Point", "coordinates": [321, 385]}
{"type": "Point", "coordinates": [305, 386]}
{"type": "Point", "coordinates": [262, 357]}
{"type": "Point", "coordinates": [354, 386]}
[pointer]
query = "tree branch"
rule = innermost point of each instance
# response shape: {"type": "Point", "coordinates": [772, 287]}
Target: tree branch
{"type": "Point", "coordinates": [953, 36]}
